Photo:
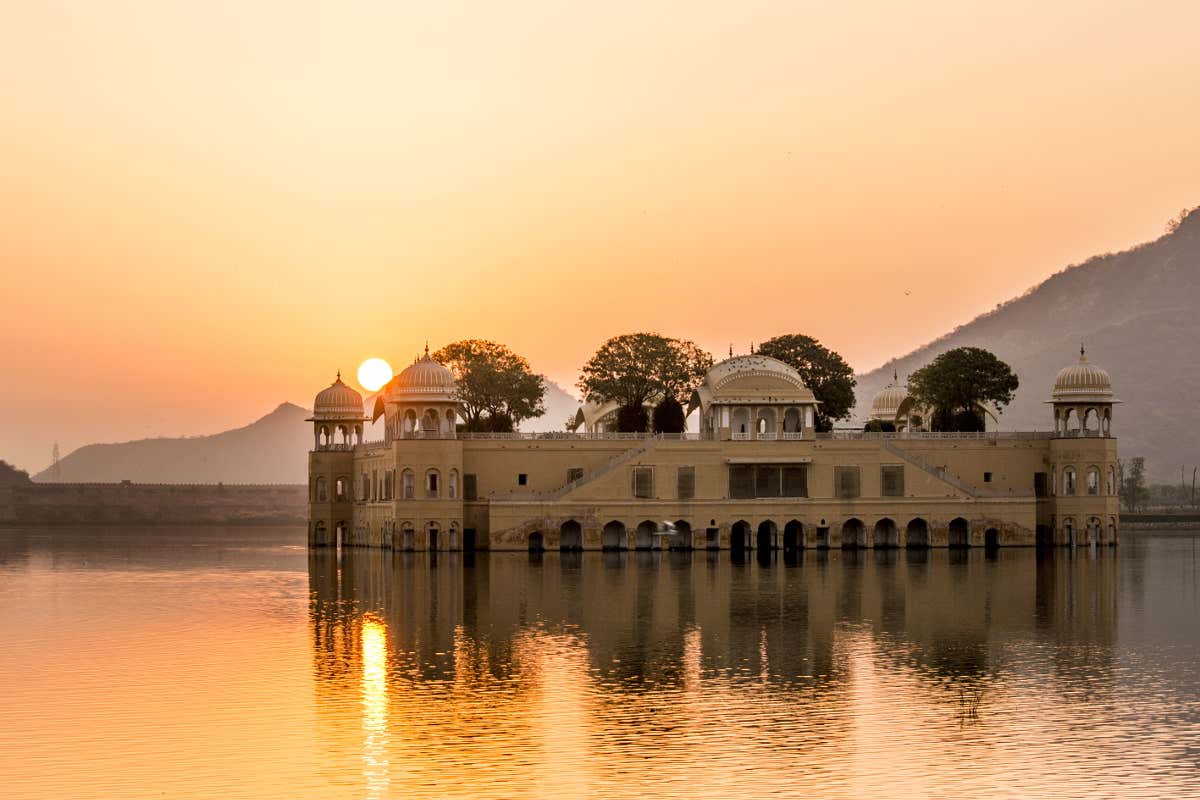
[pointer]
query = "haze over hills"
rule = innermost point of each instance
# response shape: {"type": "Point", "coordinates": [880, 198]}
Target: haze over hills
{"type": "Point", "coordinates": [274, 449]}
{"type": "Point", "coordinates": [1136, 312]}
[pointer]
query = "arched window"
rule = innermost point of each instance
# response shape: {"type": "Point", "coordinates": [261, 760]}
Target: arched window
{"type": "Point", "coordinates": [1111, 485]}
{"type": "Point", "coordinates": [429, 423]}
{"type": "Point", "coordinates": [433, 480]}
{"type": "Point", "coordinates": [1069, 481]}
{"type": "Point", "coordinates": [792, 421]}
{"type": "Point", "coordinates": [408, 484]}
{"type": "Point", "coordinates": [341, 489]}
{"type": "Point", "coordinates": [1093, 480]}
{"type": "Point", "coordinates": [410, 422]}
{"type": "Point", "coordinates": [322, 490]}
{"type": "Point", "coordinates": [452, 484]}
{"type": "Point", "coordinates": [325, 439]}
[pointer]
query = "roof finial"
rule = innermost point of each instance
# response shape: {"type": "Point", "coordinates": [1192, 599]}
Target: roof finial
{"type": "Point", "coordinates": [1082, 352]}
{"type": "Point", "coordinates": [731, 349]}
{"type": "Point", "coordinates": [895, 376]}
{"type": "Point", "coordinates": [752, 348]}
{"type": "Point", "coordinates": [339, 377]}
{"type": "Point", "coordinates": [426, 347]}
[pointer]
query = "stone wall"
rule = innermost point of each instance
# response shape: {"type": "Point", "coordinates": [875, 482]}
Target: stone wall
{"type": "Point", "coordinates": [153, 504]}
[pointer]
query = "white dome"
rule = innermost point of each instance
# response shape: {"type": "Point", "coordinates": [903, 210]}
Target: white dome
{"type": "Point", "coordinates": [887, 402]}
{"type": "Point", "coordinates": [424, 379]}
{"type": "Point", "coordinates": [1083, 382]}
{"type": "Point", "coordinates": [338, 402]}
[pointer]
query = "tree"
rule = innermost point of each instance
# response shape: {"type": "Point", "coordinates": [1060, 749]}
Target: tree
{"type": "Point", "coordinates": [496, 387]}
{"type": "Point", "coordinates": [824, 371]}
{"type": "Point", "coordinates": [669, 416]}
{"type": "Point", "coordinates": [1133, 491]}
{"type": "Point", "coordinates": [879, 426]}
{"type": "Point", "coordinates": [958, 383]}
{"type": "Point", "coordinates": [638, 367]}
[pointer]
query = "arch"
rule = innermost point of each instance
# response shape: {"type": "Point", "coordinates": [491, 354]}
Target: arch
{"type": "Point", "coordinates": [323, 437]}
{"type": "Point", "coordinates": [535, 542]}
{"type": "Point", "coordinates": [1106, 422]}
{"type": "Point", "coordinates": [887, 534]}
{"type": "Point", "coordinates": [322, 489]}
{"type": "Point", "coordinates": [1111, 538]}
{"type": "Point", "coordinates": [452, 484]}
{"type": "Point", "coordinates": [1095, 530]}
{"type": "Point", "coordinates": [341, 533]}
{"type": "Point", "coordinates": [1091, 422]}
{"type": "Point", "coordinates": [570, 535]}
{"type": "Point", "coordinates": [739, 535]}
{"type": "Point", "coordinates": [341, 488]}
{"type": "Point", "coordinates": [682, 538]}
{"type": "Point", "coordinates": [1068, 481]}
{"type": "Point", "coordinates": [959, 533]}
{"type": "Point", "coordinates": [433, 483]}
{"type": "Point", "coordinates": [793, 536]}
{"type": "Point", "coordinates": [764, 425]}
{"type": "Point", "coordinates": [433, 534]}
{"type": "Point", "coordinates": [991, 538]}
{"type": "Point", "coordinates": [320, 532]}
{"type": "Point", "coordinates": [613, 536]}
{"type": "Point", "coordinates": [768, 533]}
{"type": "Point", "coordinates": [854, 534]}
{"type": "Point", "coordinates": [1069, 531]}
{"type": "Point", "coordinates": [1092, 481]}
{"type": "Point", "coordinates": [342, 434]}
{"type": "Point", "coordinates": [741, 420]}
{"type": "Point", "coordinates": [645, 535]}
{"type": "Point", "coordinates": [453, 544]}
{"type": "Point", "coordinates": [408, 425]}
{"type": "Point", "coordinates": [408, 536]}
{"type": "Point", "coordinates": [793, 422]}
{"type": "Point", "coordinates": [1071, 422]}
{"type": "Point", "coordinates": [916, 533]}
{"type": "Point", "coordinates": [429, 421]}
{"type": "Point", "coordinates": [408, 484]}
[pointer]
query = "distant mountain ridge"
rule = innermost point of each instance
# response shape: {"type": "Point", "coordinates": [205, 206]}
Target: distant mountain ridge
{"type": "Point", "coordinates": [273, 449]}
{"type": "Point", "coordinates": [1136, 312]}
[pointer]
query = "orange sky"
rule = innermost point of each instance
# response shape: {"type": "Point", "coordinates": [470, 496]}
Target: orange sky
{"type": "Point", "coordinates": [206, 209]}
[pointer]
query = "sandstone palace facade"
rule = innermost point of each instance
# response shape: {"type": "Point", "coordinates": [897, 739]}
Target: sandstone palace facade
{"type": "Point", "coordinates": [756, 475]}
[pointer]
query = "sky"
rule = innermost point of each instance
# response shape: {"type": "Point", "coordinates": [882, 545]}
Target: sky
{"type": "Point", "coordinates": [208, 208]}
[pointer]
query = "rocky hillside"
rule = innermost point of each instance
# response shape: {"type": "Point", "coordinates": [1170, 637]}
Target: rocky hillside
{"type": "Point", "coordinates": [1136, 311]}
{"type": "Point", "coordinates": [272, 450]}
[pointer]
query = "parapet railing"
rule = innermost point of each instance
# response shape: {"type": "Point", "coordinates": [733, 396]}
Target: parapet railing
{"type": "Point", "coordinates": [919, 435]}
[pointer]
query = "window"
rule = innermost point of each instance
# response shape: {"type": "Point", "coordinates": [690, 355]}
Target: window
{"type": "Point", "coordinates": [685, 483]}
{"type": "Point", "coordinates": [1040, 484]}
{"type": "Point", "coordinates": [340, 492]}
{"type": "Point", "coordinates": [741, 481]}
{"type": "Point", "coordinates": [1069, 481]}
{"type": "Point", "coordinates": [409, 488]}
{"type": "Point", "coordinates": [766, 481]}
{"type": "Point", "coordinates": [322, 490]}
{"type": "Point", "coordinates": [987, 477]}
{"type": "Point", "coordinates": [452, 485]}
{"type": "Point", "coordinates": [643, 482]}
{"type": "Point", "coordinates": [470, 492]}
{"type": "Point", "coordinates": [795, 481]}
{"type": "Point", "coordinates": [846, 484]}
{"type": "Point", "coordinates": [1093, 481]}
{"type": "Point", "coordinates": [891, 481]}
{"type": "Point", "coordinates": [522, 479]}
{"type": "Point", "coordinates": [432, 483]}
{"type": "Point", "coordinates": [574, 474]}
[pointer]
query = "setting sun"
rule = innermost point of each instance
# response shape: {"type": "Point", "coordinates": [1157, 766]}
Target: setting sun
{"type": "Point", "coordinates": [374, 373]}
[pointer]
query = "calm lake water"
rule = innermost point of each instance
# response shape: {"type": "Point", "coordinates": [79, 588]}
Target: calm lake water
{"type": "Point", "coordinates": [228, 663]}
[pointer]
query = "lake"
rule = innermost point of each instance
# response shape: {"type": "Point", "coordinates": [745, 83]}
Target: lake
{"type": "Point", "coordinates": [231, 663]}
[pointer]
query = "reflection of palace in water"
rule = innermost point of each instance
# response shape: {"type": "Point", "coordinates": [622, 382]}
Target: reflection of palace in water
{"type": "Point", "coordinates": [756, 475]}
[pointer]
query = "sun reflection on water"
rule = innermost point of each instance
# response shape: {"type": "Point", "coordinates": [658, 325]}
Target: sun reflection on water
{"type": "Point", "coordinates": [375, 706]}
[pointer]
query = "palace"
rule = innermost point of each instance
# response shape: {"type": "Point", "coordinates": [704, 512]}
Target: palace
{"type": "Point", "coordinates": [756, 475]}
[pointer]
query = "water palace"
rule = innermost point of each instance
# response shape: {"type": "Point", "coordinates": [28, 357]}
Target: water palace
{"type": "Point", "coordinates": [756, 475]}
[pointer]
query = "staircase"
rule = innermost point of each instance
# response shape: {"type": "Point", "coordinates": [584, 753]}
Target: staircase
{"type": "Point", "coordinates": [937, 472]}
{"type": "Point", "coordinates": [625, 457]}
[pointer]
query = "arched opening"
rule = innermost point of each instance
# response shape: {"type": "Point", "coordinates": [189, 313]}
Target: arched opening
{"type": "Point", "coordinates": [793, 536]}
{"type": "Point", "coordinates": [792, 421]}
{"type": "Point", "coordinates": [1092, 481]}
{"type": "Point", "coordinates": [991, 538]}
{"type": "Point", "coordinates": [712, 538]}
{"type": "Point", "coordinates": [433, 483]}
{"type": "Point", "coordinates": [682, 538]}
{"type": "Point", "coordinates": [320, 534]}
{"type": "Point", "coordinates": [767, 531]}
{"type": "Point", "coordinates": [452, 544]}
{"type": "Point", "coordinates": [570, 536]}
{"type": "Point", "coordinates": [916, 533]}
{"type": "Point", "coordinates": [1106, 422]}
{"type": "Point", "coordinates": [823, 542]}
{"type": "Point", "coordinates": [1112, 531]}
{"type": "Point", "coordinates": [323, 438]}
{"type": "Point", "coordinates": [764, 426]}
{"type": "Point", "coordinates": [322, 489]}
{"type": "Point", "coordinates": [739, 535]}
{"type": "Point", "coordinates": [429, 422]}
{"type": "Point", "coordinates": [1091, 422]}
{"type": "Point", "coordinates": [613, 536]}
{"type": "Point", "coordinates": [854, 534]}
{"type": "Point", "coordinates": [341, 489]}
{"type": "Point", "coordinates": [433, 536]}
{"type": "Point", "coordinates": [408, 484]}
{"type": "Point", "coordinates": [741, 421]}
{"type": "Point", "coordinates": [1069, 481]}
{"type": "Point", "coordinates": [409, 425]}
{"type": "Point", "coordinates": [959, 533]}
{"type": "Point", "coordinates": [535, 542]}
{"type": "Point", "coordinates": [1094, 530]}
{"type": "Point", "coordinates": [1069, 532]}
{"type": "Point", "coordinates": [886, 533]}
{"type": "Point", "coordinates": [1071, 423]}
{"type": "Point", "coordinates": [645, 535]}
{"type": "Point", "coordinates": [341, 534]}
{"type": "Point", "coordinates": [408, 536]}
{"type": "Point", "coordinates": [343, 435]}
{"type": "Point", "coordinates": [452, 484]}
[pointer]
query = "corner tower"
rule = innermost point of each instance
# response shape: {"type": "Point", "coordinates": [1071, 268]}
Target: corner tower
{"type": "Point", "coordinates": [337, 427]}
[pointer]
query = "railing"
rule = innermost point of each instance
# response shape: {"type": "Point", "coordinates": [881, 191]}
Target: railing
{"type": "Point", "coordinates": [791, 435]}
{"type": "Point", "coordinates": [925, 435]}
{"type": "Point", "coordinates": [739, 436]}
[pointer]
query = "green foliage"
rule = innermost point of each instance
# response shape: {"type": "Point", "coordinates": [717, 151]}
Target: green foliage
{"type": "Point", "coordinates": [824, 371]}
{"type": "Point", "coordinates": [957, 382]}
{"type": "Point", "coordinates": [632, 419]}
{"type": "Point", "coordinates": [495, 385]}
{"type": "Point", "coordinates": [669, 416]}
{"type": "Point", "coordinates": [879, 426]}
{"type": "Point", "coordinates": [637, 367]}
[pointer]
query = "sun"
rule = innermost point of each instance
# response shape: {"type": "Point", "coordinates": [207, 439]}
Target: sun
{"type": "Point", "coordinates": [373, 374]}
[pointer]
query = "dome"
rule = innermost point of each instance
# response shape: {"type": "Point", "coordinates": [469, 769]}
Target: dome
{"type": "Point", "coordinates": [887, 402]}
{"type": "Point", "coordinates": [750, 380]}
{"type": "Point", "coordinates": [1083, 382]}
{"type": "Point", "coordinates": [424, 379]}
{"type": "Point", "coordinates": [339, 401]}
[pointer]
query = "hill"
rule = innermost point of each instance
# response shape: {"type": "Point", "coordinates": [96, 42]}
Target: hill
{"type": "Point", "coordinates": [273, 449]}
{"type": "Point", "coordinates": [1136, 313]}
{"type": "Point", "coordinates": [560, 405]}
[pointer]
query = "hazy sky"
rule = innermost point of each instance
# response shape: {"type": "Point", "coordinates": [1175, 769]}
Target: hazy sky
{"type": "Point", "coordinates": [207, 208]}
